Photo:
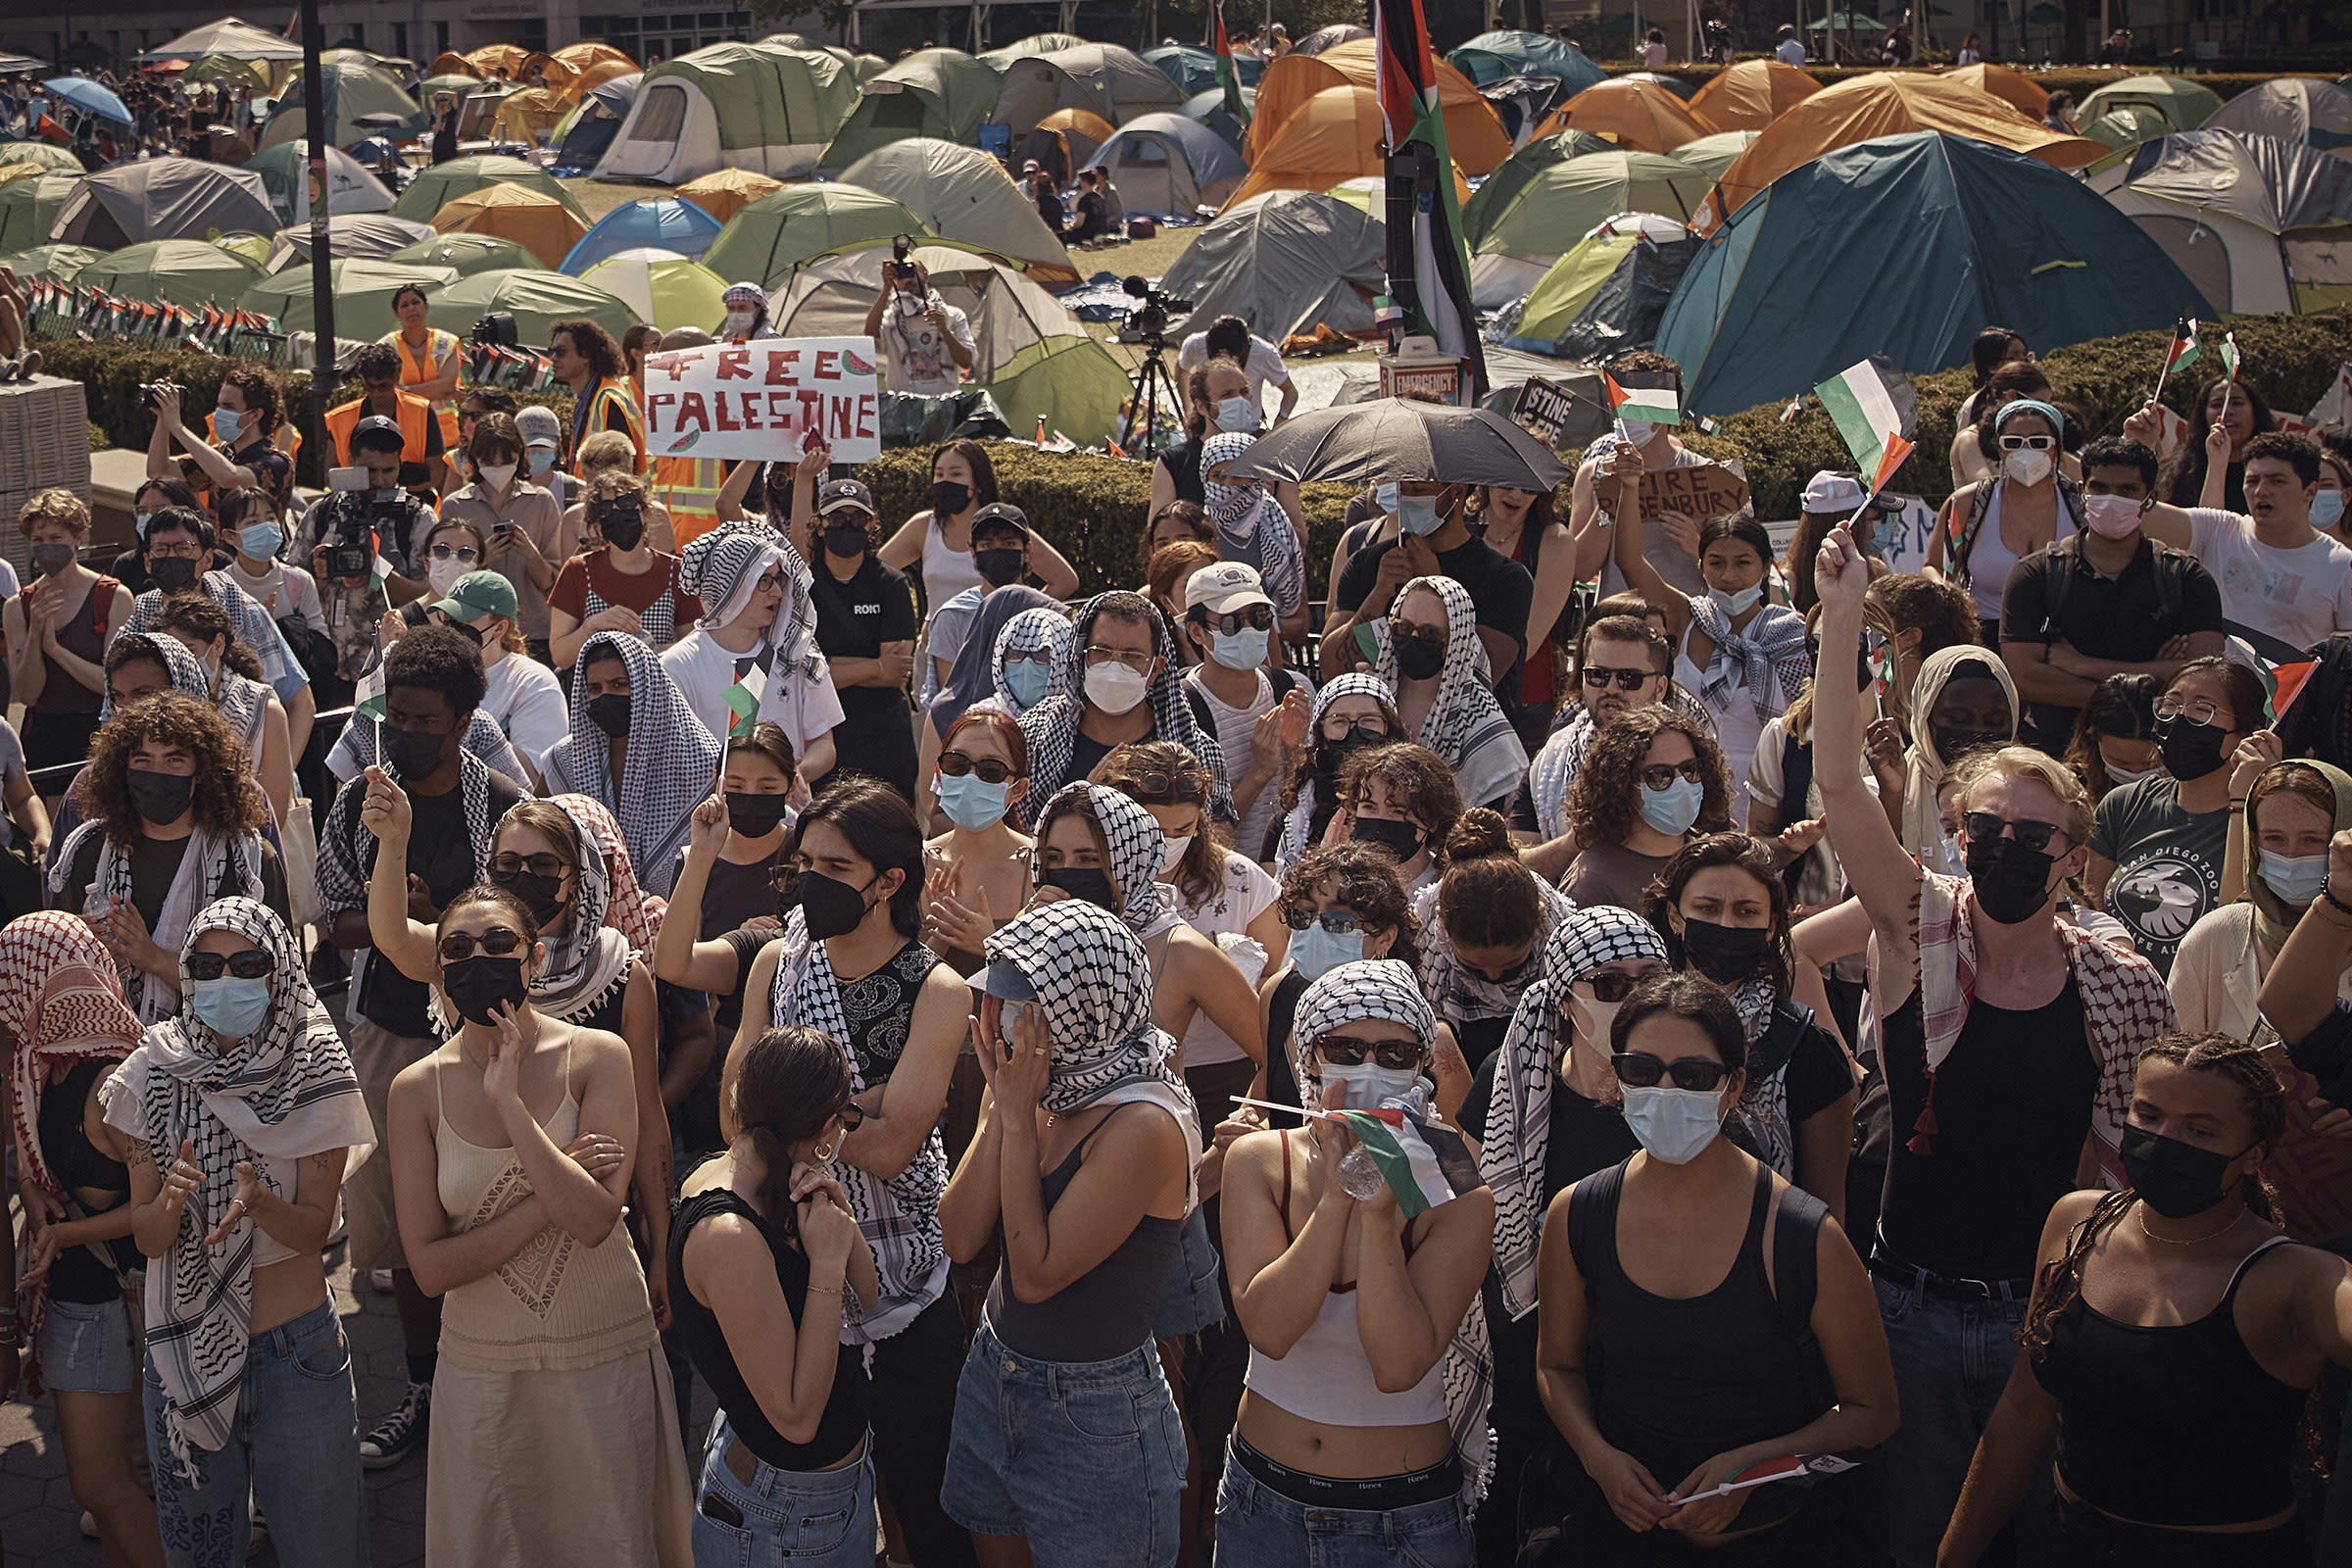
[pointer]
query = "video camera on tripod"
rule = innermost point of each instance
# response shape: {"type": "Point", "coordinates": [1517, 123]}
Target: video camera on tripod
{"type": "Point", "coordinates": [1149, 320]}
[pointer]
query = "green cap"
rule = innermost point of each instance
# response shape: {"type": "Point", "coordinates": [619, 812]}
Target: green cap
{"type": "Point", "coordinates": [479, 594]}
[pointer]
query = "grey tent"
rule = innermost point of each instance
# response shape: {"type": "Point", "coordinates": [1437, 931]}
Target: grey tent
{"type": "Point", "coordinates": [1331, 37]}
{"type": "Point", "coordinates": [942, 93]}
{"type": "Point", "coordinates": [1167, 163]}
{"type": "Point", "coordinates": [1209, 110]}
{"type": "Point", "coordinates": [1284, 261]}
{"type": "Point", "coordinates": [584, 135]}
{"type": "Point", "coordinates": [961, 193]}
{"type": "Point", "coordinates": [171, 198]}
{"type": "Point", "coordinates": [1101, 79]}
{"type": "Point", "coordinates": [1622, 313]}
{"type": "Point", "coordinates": [1193, 69]}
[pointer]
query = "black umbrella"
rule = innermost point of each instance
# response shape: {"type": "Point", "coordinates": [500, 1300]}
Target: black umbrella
{"type": "Point", "coordinates": [1388, 439]}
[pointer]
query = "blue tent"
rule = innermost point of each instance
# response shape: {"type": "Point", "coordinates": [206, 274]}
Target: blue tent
{"type": "Point", "coordinates": [1167, 163]}
{"type": "Point", "coordinates": [672, 223]}
{"type": "Point", "coordinates": [1904, 247]}
{"type": "Point", "coordinates": [584, 134]}
{"type": "Point", "coordinates": [1493, 55]}
{"type": "Point", "coordinates": [1193, 69]}
{"type": "Point", "coordinates": [1209, 108]}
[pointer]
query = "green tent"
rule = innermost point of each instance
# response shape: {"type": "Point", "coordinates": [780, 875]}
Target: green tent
{"type": "Point", "coordinates": [205, 69]}
{"type": "Point", "coordinates": [443, 183]}
{"type": "Point", "coordinates": [1566, 202]}
{"type": "Point", "coordinates": [964, 194]}
{"type": "Point", "coordinates": [364, 291]}
{"type": "Point", "coordinates": [50, 264]}
{"type": "Point", "coordinates": [2125, 126]}
{"type": "Point", "coordinates": [41, 153]}
{"type": "Point", "coordinates": [255, 248]}
{"type": "Point", "coordinates": [28, 207]}
{"type": "Point", "coordinates": [769, 237]}
{"type": "Point", "coordinates": [466, 255]}
{"type": "Point", "coordinates": [731, 106]}
{"type": "Point", "coordinates": [285, 173]}
{"type": "Point", "coordinates": [355, 85]}
{"type": "Point", "coordinates": [2181, 104]}
{"type": "Point", "coordinates": [1493, 55]}
{"type": "Point", "coordinates": [933, 92]}
{"type": "Point", "coordinates": [455, 83]}
{"type": "Point", "coordinates": [1037, 43]}
{"type": "Point", "coordinates": [1603, 296]}
{"type": "Point", "coordinates": [1072, 383]}
{"type": "Point", "coordinates": [1715, 153]}
{"type": "Point", "coordinates": [1501, 189]}
{"type": "Point", "coordinates": [185, 271]}
{"type": "Point", "coordinates": [536, 300]}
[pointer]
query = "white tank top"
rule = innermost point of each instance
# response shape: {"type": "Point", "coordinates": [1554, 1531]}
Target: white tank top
{"type": "Point", "coordinates": [945, 572]}
{"type": "Point", "coordinates": [1991, 560]}
{"type": "Point", "coordinates": [1328, 1378]}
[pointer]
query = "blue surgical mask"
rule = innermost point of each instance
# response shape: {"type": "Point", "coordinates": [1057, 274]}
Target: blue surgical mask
{"type": "Point", "coordinates": [1242, 650]}
{"type": "Point", "coordinates": [1675, 1125]}
{"type": "Point", "coordinates": [1026, 679]}
{"type": "Point", "coordinates": [1887, 534]}
{"type": "Point", "coordinates": [259, 540]}
{"type": "Point", "coordinates": [1739, 604]}
{"type": "Point", "coordinates": [1236, 414]}
{"type": "Point", "coordinates": [1317, 952]}
{"type": "Point", "coordinates": [226, 422]}
{"type": "Point", "coordinates": [1672, 810]}
{"type": "Point", "coordinates": [972, 803]}
{"type": "Point", "coordinates": [1383, 496]}
{"type": "Point", "coordinates": [229, 1006]}
{"type": "Point", "coordinates": [541, 460]}
{"type": "Point", "coordinates": [2327, 509]}
{"type": "Point", "coordinates": [1418, 514]}
{"type": "Point", "coordinates": [2296, 878]}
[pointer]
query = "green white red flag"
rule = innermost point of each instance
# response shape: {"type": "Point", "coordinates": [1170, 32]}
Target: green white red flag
{"type": "Point", "coordinates": [1648, 394]}
{"type": "Point", "coordinates": [1229, 74]}
{"type": "Point", "coordinates": [2186, 345]}
{"type": "Point", "coordinates": [1874, 410]}
{"type": "Point", "coordinates": [1410, 111]}
{"type": "Point", "coordinates": [1424, 1162]}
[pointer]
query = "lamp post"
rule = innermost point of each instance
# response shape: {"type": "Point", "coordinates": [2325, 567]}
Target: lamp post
{"type": "Point", "coordinates": [322, 274]}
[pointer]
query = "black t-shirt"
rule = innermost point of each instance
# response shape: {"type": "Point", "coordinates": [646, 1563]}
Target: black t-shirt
{"type": "Point", "coordinates": [153, 862]}
{"type": "Point", "coordinates": [1498, 586]}
{"type": "Point", "coordinates": [1183, 462]}
{"type": "Point", "coordinates": [441, 852]}
{"type": "Point", "coordinates": [854, 619]}
{"type": "Point", "coordinates": [2160, 593]}
{"type": "Point", "coordinates": [1817, 1076]}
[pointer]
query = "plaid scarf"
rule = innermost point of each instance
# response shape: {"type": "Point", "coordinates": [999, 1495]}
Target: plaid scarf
{"type": "Point", "coordinates": [1052, 726]}
{"type": "Point", "coordinates": [672, 763]}
{"type": "Point", "coordinates": [210, 863]}
{"type": "Point", "coordinates": [1136, 845]}
{"type": "Point", "coordinates": [1465, 726]}
{"type": "Point", "coordinates": [1770, 655]}
{"type": "Point", "coordinates": [1243, 513]}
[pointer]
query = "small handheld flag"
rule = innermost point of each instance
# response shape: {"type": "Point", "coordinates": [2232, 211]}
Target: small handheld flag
{"type": "Point", "coordinates": [2230, 353]}
{"type": "Point", "coordinates": [2286, 683]}
{"type": "Point", "coordinates": [743, 697]}
{"type": "Point", "coordinates": [1799, 1467]}
{"type": "Point", "coordinates": [1874, 410]}
{"type": "Point", "coordinates": [1648, 394]}
{"type": "Point", "coordinates": [2184, 349]}
{"type": "Point", "coordinates": [1424, 1161]}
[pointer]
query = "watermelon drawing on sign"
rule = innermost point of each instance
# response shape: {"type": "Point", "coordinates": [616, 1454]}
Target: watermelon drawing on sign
{"type": "Point", "coordinates": [854, 364]}
{"type": "Point", "coordinates": [685, 441]}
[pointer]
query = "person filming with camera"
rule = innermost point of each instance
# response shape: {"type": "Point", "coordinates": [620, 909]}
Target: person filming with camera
{"type": "Point", "coordinates": [926, 343]}
{"type": "Point", "coordinates": [246, 413]}
{"type": "Point", "coordinates": [364, 516]}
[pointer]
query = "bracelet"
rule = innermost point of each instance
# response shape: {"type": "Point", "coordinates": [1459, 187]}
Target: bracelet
{"type": "Point", "coordinates": [2238, 808]}
{"type": "Point", "coordinates": [823, 1290]}
{"type": "Point", "coordinates": [2327, 893]}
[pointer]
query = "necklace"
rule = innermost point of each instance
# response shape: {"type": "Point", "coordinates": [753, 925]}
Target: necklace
{"type": "Point", "coordinates": [2228, 1226]}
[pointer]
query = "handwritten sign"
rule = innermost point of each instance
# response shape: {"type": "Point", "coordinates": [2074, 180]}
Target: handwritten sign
{"type": "Point", "coordinates": [1697, 493]}
{"type": "Point", "coordinates": [766, 400]}
{"type": "Point", "coordinates": [1543, 409]}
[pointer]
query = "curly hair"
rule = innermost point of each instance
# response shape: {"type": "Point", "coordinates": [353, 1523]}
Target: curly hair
{"type": "Point", "coordinates": [1419, 784]}
{"type": "Point", "coordinates": [1486, 898]}
{"type": "Point", "coordinates": [1665, 893]}
{"type": "Point", "coordinates": [438, 659]}
{"type": "Point", "coordinates": [377, 361]}
{"type": "Point", "coordinates": [1606, 802]}
{"type": "Point", "coordinates": [1312, 758]}
{"type": "Point", "coordinates": [226, 801]}
{"type": "Point", "coordinates": [594, 344]}
{"type": "Point", "coordinates": [60, 507]}
{"type": "Point", "coordinates": [260, 389]}
{"type": "Point", "coordinates": [1363, 877]}
{"type": "Point", "coordinates": [191, 613]}
{"type": "Point", "coordinates": [2122, 706]}
{"type": "Point", "coordinates": [1201, 871]}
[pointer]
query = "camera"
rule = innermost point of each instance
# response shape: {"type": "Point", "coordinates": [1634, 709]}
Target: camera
{"type": "Point", "coordinates": [148, 390]}
{"type": "Point", "coordinates": [1149, 320]}
{"type": "Point", "coordinates": [900, 266]}
{"type": "Point", "coordinates": [495, 327]}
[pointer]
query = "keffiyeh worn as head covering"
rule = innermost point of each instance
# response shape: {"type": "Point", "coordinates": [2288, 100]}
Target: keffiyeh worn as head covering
{"type": "Point", "coordinates": [1926, 767]}
{"type": "Point", "coordinates": [284, 1091]}
{"type": "Point", "coordinates": [1462, 994]}
{"type": "Point", "coordinates": [1465, 726]}
{"type": "Point", "coordinates": [1298, 828]}
{"type": "Point", "coordinates": [1136, 846]}
{"type": "Point", "coordinates": [723, 567]}
{"type": "Point", "coordinates": [979, 669]}
{"type": "Point", "coordinates": [251, 621]}
{"type": "Point", "coordinates": [1243, 513]}
{"type": "Point", "coordinates": [1370, 988]}
{"type": "Point", "coordinates": [59, 1003]}
{"type": "Point", "coordinates": [1052, 726]}
{"type": "Point", "coordinates": [587, 958]}
{"type": "Point", "coordinates": [1770, 654]}
{"type": "Point", "coordinates": [184, 669]}
{"type": "Point", "coordinates": [671, 763]}
{"type": "Point", "coordinates": [628, 908]}
{"type": "Point", "coordinates": [1027, 633]}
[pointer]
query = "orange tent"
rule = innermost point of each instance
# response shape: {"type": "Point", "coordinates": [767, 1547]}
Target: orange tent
{"type": "Point", "coordinates": [724, 192]}
{"type": "Point", "coordinates": [595, 76]}
{"type": "Point", "coordinates": [1642, 117]}
{"type": "Point", "coordinates": [540, 224]}
{"type": "Point", "coordinates": [529, 115]}
{"type": "Point", "coordinates": [1473, 135]}
{"type": "Point", "coordinates": [568, 68]}
{"type": "Point", "coordinates": [2010, 85]}
{"type": "Point", "coordinates": [1331, 138]}
{"type": "Point", "coordinates": [1884, 103]}
{"type": "Point", "coordinates": [449, 63]}
{"type": "Point", "coordinates": [1751, 94]}
{"type": "Point", "coordinates": [485, 61]}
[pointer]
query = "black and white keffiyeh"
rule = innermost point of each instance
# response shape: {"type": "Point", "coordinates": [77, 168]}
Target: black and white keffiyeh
{"type": "Point", "coordinates": [210, 863]}
{"type": "Point", "coordinates": [1027, 633]}
{"type": "Point", "coordinates": [1552, 773]}
{"type": "Point", "coordinates": [587, 958]}
{"type": "Point", "coordinates": [1298, 827]}
{"type": "Point", "coordinates": [355, 750]}
{"type": "Point", "coordinates": [1771, 654]}
{"type": "Point", "coordinates": [252, 624]}
{"type": "Point", "coordinates": [1052, 726]}
{"type": "Point", "coordinates": [1245, 513]}
{"type": "Point", "coordinates": [1465, 726]}
{"type": "Point", "coordinates": [723, 567]}
{"type": "Point", "coordinates": [673, 762]}
{"type": "Point", "coordinates": [1137, 847]}
{"type": "Point", "coordinates": [1462, 994]}
{"type": "Point", "coordinates": [285, 1092]}
{"type": "Point", "coordinates": [347, 849]}
{"type": "Point", "coordinates": [184, 668]}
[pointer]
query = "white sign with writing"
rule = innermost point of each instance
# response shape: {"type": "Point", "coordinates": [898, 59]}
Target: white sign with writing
{"type": "Point", "coordinates": [765, 399]}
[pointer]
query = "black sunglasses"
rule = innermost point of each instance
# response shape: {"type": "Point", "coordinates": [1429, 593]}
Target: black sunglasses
{"type": "Point", "coordinates": [1339, 923]}
{"type": "Point", "coordinates": [507, 863]}
{"type": "Point", "coordinates": [955, 764]}
{"type": "Point", "coordinates": [853, 1116]}
{"type": "Point", "coordinates": [1415, 632]}
{"type": "Point", "coordinates": [1600, 675]}
{"type": "Point", "coordinates": [1256, 618]}
{"type": "Point", "coordinates": [1642, 1070]}
{"type": "Point", "coordinates": [1984, 826]}
{"type": "Point", "coordinates": [1346, 1051]}
{"type": "Point", "coordinates": [1662, 776]}
{"type": "Point", "coordinates": [498, 941]}
{"type": "Point", "coordinates": [1611, 986]}
{"type": "Point", "coordinates": [1157, 788]}
{"type": "Point", "coordinates": [251, 964]}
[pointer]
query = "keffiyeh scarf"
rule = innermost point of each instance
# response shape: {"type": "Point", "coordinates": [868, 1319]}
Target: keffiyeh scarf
{"type": "Point", "coordinates": [285, 1092]}
{"type": "Point", "coordinates": [1462, 994]}
{"type": "Point", "coordinates": [347, 849]}
{"type": "Point", "coordinates": [1136, 845]}
{"type": "Point", "coordinates": [355, 749]}
{"type": "Point", "coordinates": [1465, 726]}
{"type": "Point", "coordinates": [210, 863]}
{"type": "Point", "coordinates": [252, 624]}
{"type": "Point", "coordinates": [672, 763]}
{"type": "Point", "coordinates": [978, 672]}
{"type": "Point", "coordinates": [587, 956]}
{"type": "Point", "coordinates": [1298, 828]}
{"type": "Point", "coordinates": [1243, 513]}
{"type": "Point", "coordinates": [187, 674]}
{"type": "Point", "coordinates": [1027, 633]}
{"type": "Point", "coordinates": [1553, 772]}
{"type": "Point", "coordinates": [1925, 767]}
{"type": "Point", "coordinates": [628, 909]}
{"type": "Point", "coordinates": [1052, 726]}
{"type": "Point", "coordinates": [1770, 655]}
{"type": "Point", "coordinates": [723, 567]}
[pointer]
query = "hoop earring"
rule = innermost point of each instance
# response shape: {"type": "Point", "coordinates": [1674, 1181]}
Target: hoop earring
{"type": "Point", "coordinates": [827, 1154]}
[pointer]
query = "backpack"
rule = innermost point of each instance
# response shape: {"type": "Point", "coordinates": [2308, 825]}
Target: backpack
{"type": "Point", "coordinates": [2070, 496]}
{"type": "Point", "coordinates": [2066, 555]}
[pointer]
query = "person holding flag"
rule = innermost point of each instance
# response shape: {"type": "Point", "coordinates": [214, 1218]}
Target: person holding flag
{"type": "Point", "coordinates": [753, 656]}
{"type": "Point", "coordinates": [1596, 496]}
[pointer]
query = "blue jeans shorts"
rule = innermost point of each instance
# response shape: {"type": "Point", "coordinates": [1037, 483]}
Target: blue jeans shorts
{"type": "Point", "coordinates": [1258, 1527]}
{"type": "Point", "coordinates": [818, 1518]}
{"type": "Point", "coordinates": [85, 1347]}
{"type": "Point", "coordinates": [1085, 1459]}
{"type": "Point", "coordinates": [1190, 1301]}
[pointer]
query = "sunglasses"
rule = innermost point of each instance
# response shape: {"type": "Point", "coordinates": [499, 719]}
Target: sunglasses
{"type": "Point", "coordinates": [498, 941]}
{"type": "Point", "coordinates": [1642, 1070]}
{"type": "Point", "coordinates": [1031, 655]}
{"type": "Point", "coordinates": [505, 862]}
{"type": "Point", "coordinates": [1255, 617]}
{"type": "Point", "coordinates": [1409, 631]}
{"type": "Point", "coordinates": [1983, 827]}
{"type": "Point", "coordinates": [1346, 1051]}
{"type": "Point", "coordinates": [1338, 922]}
{"type": "Point", "coordinates": [1662, 776]}
{"type": "Point", "coordinates": [1598, 675]}
{"type": "Point", "coordinates": [955, 764]}
{"type": "Point", "coordinates": [853, 1116]}
{"type": "Point", "coordinates": [1157, 788]}
{"type": "Point", "coordinates": [1611, 986]}
{"type": "Point", "coordinates": [251, 964]}
{"type": "Point", "coordinates": [2028, 443]}
{"type": "Point", "coordinates": [465, 552]}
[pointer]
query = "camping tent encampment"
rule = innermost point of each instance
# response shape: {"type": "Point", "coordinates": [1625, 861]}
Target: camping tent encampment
{"type": "Point", "coordinates": [356, 87]}
{"type": "Point", "coordinates": [1639, 116]}
{"type": "Point", "coordinates": [769, 238]}
{"type": "Point", "coordinates": [538, 223]}
{"type": "Point", "coordinates": [363, 290]}
{"type": "Point", "coordinates": [961, 193]}
{"type": "Point", "coordinates": [1064, 142]}
{"type": "Point", "coordinates": [1716, 153]}
{"type": "Point", "coordinates": [1100, 77]}
{"type": "Point", "coordinates": [1167, 163]}
{"type": "Point", "coordinates": [2304, 109]}
{"type": "Point", "coordinates": [1326, 39]}
{"type": "Point", "coordinates": [1502, 187]}
{"type": "Point", "coordinates": [28, 208]}
{"type": "Point", "coordinates": [168, 198]}
{"type": "Point", "coordinates": [465, 254]}
{"type": "Point", "coordinates": [185, 271]}
{"type": "Point", "coordinates": [1284, 261]}
{"type": "Point", "coordinates": [1195, 70]}
{"type": "Point", "coordinates": [1607, 293]}
{"type": "Point", "coordinates": [2260, 225]}
{"type": "Point", "coordinates": [667, 289]}
{"type": "Point", "coordinates": [943, 93]}
{"type": "Point", "coordinates": [375, 236]}
{"type": "Point", "coordinates": [1493, 55]}
{"type": "Point", "coordinates": [1474, 136]}
{"type": "Point", "coordinates": [1751, 94]}
{"type": "Point", "coordinates": [1551, 212]}
{"type": "Point", "coordinates": [436, 187]}
{"type": "Point", "coordinates": [50, 264]}
{"type": "Point", "coordinates": [584, 138]}
{"type": "Point", "coordinates": [285, 171]}
{"type": "Point", "coordinates": [1781, 299]}
{"type": "Point", "coordinates": [529, 118]}
{"type": "Point", "coordinates": [1209, 110]}
{"type": "Point", "coordinates": [731, 105]}
{"type": "Point", "coordinates": [2178, 102]}
{"type": "Point", "coordinates": [536, 300]}
{"type": "Point", "coordinates": [227, 36]}
{"type": "Point", "coordinates": [724, 192]}
{"type": "Point", "coordinates": [2005, 82]}
{"type": "Point", "coordinates": [1332, 136]}
{"type": "Point", "coordinates": [672, 225]}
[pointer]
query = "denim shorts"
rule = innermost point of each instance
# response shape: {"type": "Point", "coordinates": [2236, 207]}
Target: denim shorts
{"type": "Point", "coordinates": [821, 1518]}
{"type": "Point", "coordinates": [1190, 1301]}
{"type": "Point", "coordinates": [85, 1347]}
{"type": "Point", "coordinates": [1258, 1527]}
{"type": "Point", "coordinates": [1085, 1459]}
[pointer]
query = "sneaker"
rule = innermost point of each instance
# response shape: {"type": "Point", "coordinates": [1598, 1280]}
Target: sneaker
{"type": "Point", "coordinates": [401, 1431]}
{"type": "Point", "coordinates": [30, 365]}
{"type": "Point", "coordinates": [90, 1525]}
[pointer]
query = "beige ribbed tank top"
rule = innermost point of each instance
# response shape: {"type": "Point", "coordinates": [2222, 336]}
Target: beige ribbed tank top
{"type": "Point", "coordinates": [556, 1305]}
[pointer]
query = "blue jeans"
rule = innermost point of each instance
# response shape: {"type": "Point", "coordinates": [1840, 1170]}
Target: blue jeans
{"type": "Point", "coordinates": [1085, 1459]}
{"type": "Point", "coordinates": [822, 1518]}
{"type": "Point", "coordinates": [295, 1447]}
{"type": "Point", "coordinates": [1190, 1301]}
{"type": "Point", "coordinates": [1258, 1527]}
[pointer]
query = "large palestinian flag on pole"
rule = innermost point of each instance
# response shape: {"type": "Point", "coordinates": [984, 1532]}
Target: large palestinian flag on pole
{"type": "Point", "coordinates": [1439, 293]}
{"type": "Point", "coordinates": [1229, 74]}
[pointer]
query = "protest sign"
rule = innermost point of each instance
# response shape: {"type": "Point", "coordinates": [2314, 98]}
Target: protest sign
{"type": "Point", "coordinates": [1697, 493]}
{"type": "Point", "coordinates": [764, 399]}
{"type": "Point", "coordinates": [1543, 409]}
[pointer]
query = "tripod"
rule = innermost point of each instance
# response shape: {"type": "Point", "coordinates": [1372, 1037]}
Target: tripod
{"type": "Point", "coordinates": [1144, 403]}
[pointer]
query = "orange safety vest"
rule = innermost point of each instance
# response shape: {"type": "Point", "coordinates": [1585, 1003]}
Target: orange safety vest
{"type": "Point", "coordinates": [438, 347]}
{"type": "Point", "coordinates": [414, 412]}
{"type": "Point", "coordinates": [613, 394]}
{"type": "Point", "coordinates": [689, 487]}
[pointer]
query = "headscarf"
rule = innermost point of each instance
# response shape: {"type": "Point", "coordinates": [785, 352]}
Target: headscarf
{"type": "Point", "coordinates": [2274, 916]}
{"type": "Point", "coordinates": [1552, 773]}
{"type": "Point", "coordinates": [251, 622]}
{"type": "Point", "coordinates": [1298, 828]}
{"type": "Point", "coordinates": [1026, 633]}
{"type": "Point", "coordinates": [187, 673]}
{"type": "Point", "coordinates": [672, 763]}
{"type": "Point", "coordinates": [1052, 726]}
{"type": "Point", "coordinates": [1136, 849]}
{"type": "Point", "coordinates": [629, 910]}
{"type": "Point", "coordinates": [61, 1003]}
{"type": "Point", "coordinates": [1771, 652]}
{"type": "Point", "coordinates": [587, 958]}
{"type": "Point", "coordinates": [722, 568]}
{"type": "Point", "coordinates": [979, 669]}
{"type": "Point", "coordinates": [283, 1092]}
{"type": "Point", "coordinates": [1925, 771]}
{"type": "Point", "coordinates": [1465, 726]}
{"type": "Point", "coordinates": [1245, 512]}
{"type": "Point", "coordinates": [1460, 993]}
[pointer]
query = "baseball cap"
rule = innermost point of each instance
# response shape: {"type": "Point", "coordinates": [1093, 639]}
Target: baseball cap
{"type": "Point", "coordinates": [376, 424]}
{"type": "Point", "coordinates": [842, 493]}
{"type": "Point", "coordinates": [1001, 513]}
{"type": "Point", "coordinates": [1224, 588]}
{"type": "Point", "coordinates": [539, 426]}
{"type": "Point", "coordinates": [1831, 491]}
{"type": "Point", "coordinates": [479, 594]}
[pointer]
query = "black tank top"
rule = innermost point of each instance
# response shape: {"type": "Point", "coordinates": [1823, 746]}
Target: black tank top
{"type": "Point", "coordinates": [2174, 1425]}
{"type": "Point", "coordinates": [77, 1164]}
{"type": "Point", "coordinates": [844, 1422]}
{"type": "Point", "coordinates": [1106, 1312]}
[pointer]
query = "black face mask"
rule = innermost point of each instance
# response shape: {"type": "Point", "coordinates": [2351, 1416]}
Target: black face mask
{"type": "Point", "coordinates": [1000, 566]}
{"type": "Point", "coordinates": [172, 573]}
{"type": "Point", "coordinates": [161, 798]}
{"type": "Point", "coordinates": [1419, 657]}
{"type": "Point", "coordinates": [845, 538]}
{"type": "Point", "coordinates": [1331, 754]}
{"type": "Point", "coordinates": [949, 497]}
{"type": "Point", "coordinates": [1090, 883]}
{"type": "Point", "coordinates": [2011, 881]}
{"type": "Point", "coordinates": [543, 896]}
{"type": "Point", "coordinates": [412, 756]}
{"type": "Point", "coordinates": [472, 634]}
{"type": "Point", "coordinates": [1398, 838]}
{"type": "Point", "coordinates": [1724, 954]}
{"type": "Point", "coordinates": [611, 714]}
{"type": "Point", "coordinates": [2190, 751]}
{"type": "Point", "coordinates": [754, 815]}
{"type": "Point", "coordinates": [622, 529]}
{"type": "Point", "coordinates": [477, 986]}
{"type": "Point", "coordinates": [2173, 1178]}
{"type": "Point", "coordinates": [1951, 740]}
{"type": "Point", "coordinates": [50, 560]}
{"type": "Point", "coordinates": [832, 906]}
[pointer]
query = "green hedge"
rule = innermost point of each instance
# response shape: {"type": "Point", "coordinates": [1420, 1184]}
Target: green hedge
{"type": "Point", "coordinates": [2079, 81]}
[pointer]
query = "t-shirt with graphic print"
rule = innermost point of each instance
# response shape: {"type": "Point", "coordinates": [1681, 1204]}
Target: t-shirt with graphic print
{"type": "Point", "coordinates": [2167, 864]}
{"type": "Point", "coordinates": [915, 352]}
{"type": "Point", "coordinates": [2282, 600]}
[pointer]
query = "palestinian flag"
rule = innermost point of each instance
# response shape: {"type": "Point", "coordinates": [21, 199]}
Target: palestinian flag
{"type": "Point", "coordinates": [373, 708]}
{"type": "Point", "coordinates": [2230, 353]}
{"type": "Point", "coordinates": [2185, 346]}
{"type": "Point", "coordinates": [1649, 395]}
{"type": "Point", "coordinates": [1229, 74]}
{"type": "Point", "coordinates": [1873, 409]}
{"type": "Point", "coordinates": [1424, 1162]}
{"type": "Point", "coordinates": [1427, 260]}
{"type": "Point", "coordinates": [2285, 682]}
{"type": "Point", "coordinates": [743, 697]}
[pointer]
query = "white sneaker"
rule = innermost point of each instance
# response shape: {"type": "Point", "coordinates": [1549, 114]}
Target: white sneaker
{"type": "Point", "coordinates": [90, 1525]}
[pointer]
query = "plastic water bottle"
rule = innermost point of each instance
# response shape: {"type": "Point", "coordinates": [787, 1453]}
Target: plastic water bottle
{"type": "Point", "coordinates": [1360, 1175]}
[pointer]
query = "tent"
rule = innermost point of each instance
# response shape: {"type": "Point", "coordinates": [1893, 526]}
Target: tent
{"type": "Point", "coordinates": [205, 69]}
{"type": "Point", "coordinates": [356, 87]}
{"type": "Point", "coordinates": [1167, 163]}
{"type": "Point", "coordinates": [240, 40]}
{"type": "Point", "coordinates": [1549, 212]}
{"type": "Point", "coordinates": [676, 226]}
{"type": "Point", "coordinates": [50, 264]}
{"type": "Point", "coordinates": [731, 106]}
{"type": "Point", "coordinates": [41, 155]}
{"type": "Point", "coordinates": [961, 193]}
{"type": "Point", "coordinates": [491, 58]}
{"type": "Point", "coordinates": [184, 271]}
{"type": "Point", "coordinates": [1716, 153]}
{"type": "Point", "coordinates": [536, 300]}
{"type": "Point", "coordinates": [1332, 137]}
{"type": "Point", "coordinates": [459, 85]}
{"type": "Point", "coordinates": [1195, 70]}
{"type": "Point", "coordinates": [943, 93]}
{"type": "Point", "coordinates": [1502, 187]}
{"type": "Point", "coordinates": [1751, 94]}
{"type": "Point", "coordinates": [1474, 136]}
{"type": "Point", "coordinates": [1037, 43]}
{"type": "Point", "coordinates": [1324, 39]}
{"type": "Point", "coordinates": [1064, 142]}
{"type": "Point", "coordinates": [577, 68]}
{"type": "Point", "coordinates": [2260, 225]}
{"type": "Point", "coordinates": [285, 173]}
{"type": "Point", "coordinates": [371, 234]}
{"type": "Point", "coordinates": [2304, 109]}
{"type": "Point", "coordinates": [724, 192]}
{"type": "Point", "coordinates": [436, 187]}
{"type": "Point", "coordinates": [1285, 262]}
{"type": "Point", "coordinates": [2007, 84]}
{"type": "Point", "coordinates": [1961, 232]}
{"type": "Point", "coordinates": [1072, 386]}
{"type": "Point", "coordinates": [1607, 294]}
{"type": "Point", "coordinates": [1680, 87]}
{"type": "Point", "coordinates": [465, 254]}
{"type": "Point", "coordinates": [255, 248]}
{"type": "Point", "coordinates": [1493, 55]}
{"type": "Point", "coordinates": [1210, 111]}
{"type": "Point", "coordinates": [2125, 126]}
{"type": "Point", "coordinates": [538, 223]}
{"type": "Point", "coordinates": [171, 198]}
{"type": "Point", "coordinates": [530, 117]}
{"type": "Point", "coordinates": [588, 131]}
{"type": "Point", "coordinates": [1642, 116]}
{"type": "Point", "coordinates": [364, 291]}
{"type": "Point", "coordinates": [1100, 77]}
{"type": "Point", "coordinates": [28, 208]}
{"type": "Point", "coordinates": [769, 237]}
{"type": "Point", "coordinates": [667, 289]}
{"type": "Point", "coordinates": [1886, 103]}
{"type": "Point", "coordinates": [2178, 103]}
{"type": "Point", "coordinates": [477, 111]}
